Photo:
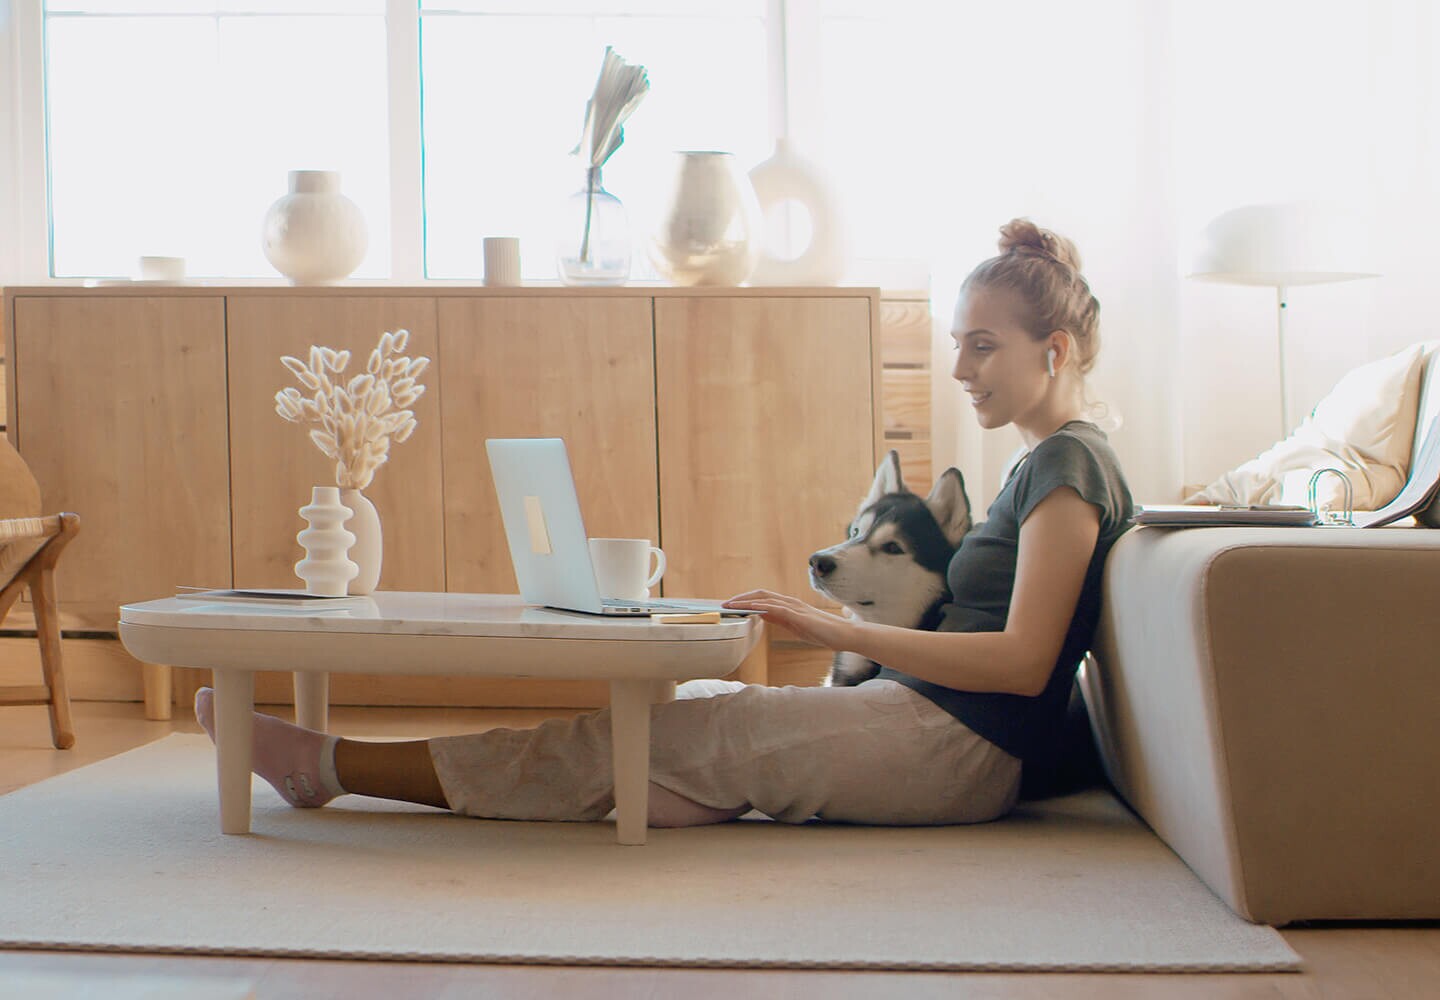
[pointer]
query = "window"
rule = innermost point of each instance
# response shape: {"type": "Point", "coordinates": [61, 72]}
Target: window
{"type": "Point", "coordinates": [505, 87]}
{"type": "Point", "coordinates": [171, 126]}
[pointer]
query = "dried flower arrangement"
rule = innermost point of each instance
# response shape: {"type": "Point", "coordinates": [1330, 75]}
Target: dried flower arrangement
{"type": "Point", "coordinates": [357, 419]}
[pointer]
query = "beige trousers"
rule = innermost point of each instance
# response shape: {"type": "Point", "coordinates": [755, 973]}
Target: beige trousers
{"type": "Point", "coordinates": [877, 753]}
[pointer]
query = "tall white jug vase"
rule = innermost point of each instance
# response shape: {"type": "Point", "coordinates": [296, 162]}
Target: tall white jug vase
{"type": "Point", "coordinates": [788, 178]}
{"type": "Point", "coordinates": [710, 224]}
{"type": "Point", "coordinates": [325, 569]}
{"type": "Point", "coordinates": [314, 235]}
{"type": "Point", "coordinates": [369, 548]}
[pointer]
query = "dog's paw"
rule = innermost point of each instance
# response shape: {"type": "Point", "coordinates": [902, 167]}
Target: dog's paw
{"type": "Point", "coordinates": [850, 669]}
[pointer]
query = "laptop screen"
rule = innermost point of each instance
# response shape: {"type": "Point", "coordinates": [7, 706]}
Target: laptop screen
{"type": "Point", "coordinates": [543, 526]}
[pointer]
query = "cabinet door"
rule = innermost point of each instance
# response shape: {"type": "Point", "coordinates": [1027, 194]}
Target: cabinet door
{"type": "Point", "coordinates": [274, 464]}
{"type": "Point", "coordinates": [120, 414]}
{"type": "Point", "coordinates": [767, 436]}
{"type": "Point", "coordinates": [567, 366]}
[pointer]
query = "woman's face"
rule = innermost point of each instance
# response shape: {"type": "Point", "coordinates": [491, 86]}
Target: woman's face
{"type": "Point", "coordinates": [997, 362]}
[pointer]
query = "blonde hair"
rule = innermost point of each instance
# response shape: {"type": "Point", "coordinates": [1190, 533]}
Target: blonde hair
{"type": "Point", "coordinates": [1043, 269]}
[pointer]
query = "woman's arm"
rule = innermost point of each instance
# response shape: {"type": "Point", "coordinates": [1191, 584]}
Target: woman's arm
{"type": "Point", "coordinates": [1057, 542]}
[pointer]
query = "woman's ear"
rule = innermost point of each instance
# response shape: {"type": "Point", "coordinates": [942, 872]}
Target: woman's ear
{"type": "Point", "coordinates": [1062, 347]}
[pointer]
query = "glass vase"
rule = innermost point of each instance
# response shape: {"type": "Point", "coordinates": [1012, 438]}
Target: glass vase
{"type": "Point", "coordinates": [594, 246]}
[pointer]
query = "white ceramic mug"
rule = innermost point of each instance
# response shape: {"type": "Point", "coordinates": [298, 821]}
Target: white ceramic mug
{"type": "Point", "coordinates": [622, 567]}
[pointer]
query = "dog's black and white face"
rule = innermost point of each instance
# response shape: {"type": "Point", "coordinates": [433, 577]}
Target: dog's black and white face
{"type": "Point", "coordinates": [891, 569]}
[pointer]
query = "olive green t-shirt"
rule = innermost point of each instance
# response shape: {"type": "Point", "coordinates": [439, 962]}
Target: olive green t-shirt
{"type": "Point", "coordinates": [982, 576]}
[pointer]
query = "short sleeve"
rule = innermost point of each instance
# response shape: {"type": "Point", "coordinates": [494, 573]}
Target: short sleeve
{"type": "Point", "coordinates": [1063, 459]}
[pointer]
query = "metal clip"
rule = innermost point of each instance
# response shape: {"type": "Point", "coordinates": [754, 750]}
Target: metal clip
{"type": "Point", "coordinates": [1328, 516]}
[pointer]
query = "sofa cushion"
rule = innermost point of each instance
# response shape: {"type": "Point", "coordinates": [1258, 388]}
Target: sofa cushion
{"type": "Point", "coordinates": [1365, 427]}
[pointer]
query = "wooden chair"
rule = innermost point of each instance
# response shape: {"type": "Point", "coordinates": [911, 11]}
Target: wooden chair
{"type": "Point", "coordinates": [36, 570]}
{"type": "Point", "coordinates": [30, 545]}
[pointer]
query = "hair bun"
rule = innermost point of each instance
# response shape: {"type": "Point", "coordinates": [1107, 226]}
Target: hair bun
{"type": "Point", "coordinates": [1021, 236]}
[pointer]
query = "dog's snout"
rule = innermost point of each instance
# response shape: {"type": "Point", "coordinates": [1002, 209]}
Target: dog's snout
{"type": "Point", "coordinates": [822, 564]}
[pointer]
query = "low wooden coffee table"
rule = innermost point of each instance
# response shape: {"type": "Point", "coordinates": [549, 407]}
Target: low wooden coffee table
{"type": "Point", "coordinates": [480, 635]}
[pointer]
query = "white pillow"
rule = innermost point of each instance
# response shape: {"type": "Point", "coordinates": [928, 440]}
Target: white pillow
{"type": "Point", "coordinates": [1365, 428]}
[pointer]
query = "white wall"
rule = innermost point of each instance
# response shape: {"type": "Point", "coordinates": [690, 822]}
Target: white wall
{"type": "Point", "coordinates": [1079, 140]}
{"type": "Point", "coordinates": [1194, 109]}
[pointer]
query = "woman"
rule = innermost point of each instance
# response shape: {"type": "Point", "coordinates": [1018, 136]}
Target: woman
{"type": "Point", "coordinates": [941, 734]}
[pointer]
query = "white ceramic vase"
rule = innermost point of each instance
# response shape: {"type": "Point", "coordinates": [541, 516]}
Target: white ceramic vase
{"type": "Point", "coordinates": [368, 549]}
{"type": "Point", "coordinates": [786, 178]}
{"type": "Point", "coordinates": [325, 568]}
{"type": "Point", "coordinates": [710, 224]}
{"type": "Point", "coordinates": [314, 235]}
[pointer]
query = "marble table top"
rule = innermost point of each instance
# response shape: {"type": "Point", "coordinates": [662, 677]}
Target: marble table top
{"type": "Point", "coordinates": [414, 613]}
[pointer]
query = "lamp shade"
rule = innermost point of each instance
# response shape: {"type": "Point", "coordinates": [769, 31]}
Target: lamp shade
{"type": "Point", "coordinates": [1285, 243]}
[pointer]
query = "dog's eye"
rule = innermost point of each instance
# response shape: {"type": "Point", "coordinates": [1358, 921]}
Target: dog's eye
{"type": "Point", "coordinates": [893, 548]}
{"type": "Point", "coordinates": [854, 531]}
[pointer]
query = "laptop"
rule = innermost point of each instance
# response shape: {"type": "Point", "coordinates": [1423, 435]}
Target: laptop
{"type": "Point", "coordinates": [546, 534]}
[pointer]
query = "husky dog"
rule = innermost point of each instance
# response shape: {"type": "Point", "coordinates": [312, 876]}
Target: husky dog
{"type": "Point", "coordinates": [891, 569]}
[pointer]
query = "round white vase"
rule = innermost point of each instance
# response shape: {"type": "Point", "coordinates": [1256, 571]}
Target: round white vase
{"type": "Point", "coordinates": [710, 224]}
{"type": "Point", "coordinates": [325, 568]}
{"type": "Point", "coordinates": [368, 549]}
{"type": "Point", "coordinates": [785, 178]}
{"type": "Point", "coordinates": [314, 235]}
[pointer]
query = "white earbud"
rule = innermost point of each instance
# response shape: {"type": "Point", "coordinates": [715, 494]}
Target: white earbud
{"type": "Point", "coordinates": [1050, 362]}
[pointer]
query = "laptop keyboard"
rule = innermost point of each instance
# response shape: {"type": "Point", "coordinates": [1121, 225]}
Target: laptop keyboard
{"type": "Point", "coordinates": [615, 602]}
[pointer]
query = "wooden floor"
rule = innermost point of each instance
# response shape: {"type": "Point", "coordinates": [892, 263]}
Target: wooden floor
{"type": "Point", "coordinates": [1371, 962]}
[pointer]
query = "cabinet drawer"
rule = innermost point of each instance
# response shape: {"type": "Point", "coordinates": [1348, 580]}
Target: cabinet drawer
{"type": "Point", "coordinates": [905, 333]}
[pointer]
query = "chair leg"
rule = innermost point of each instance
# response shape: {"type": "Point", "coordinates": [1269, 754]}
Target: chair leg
{"type": "Point", "coordinates": [47, 630]}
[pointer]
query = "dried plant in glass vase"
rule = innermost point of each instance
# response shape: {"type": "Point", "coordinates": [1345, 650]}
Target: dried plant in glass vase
{"type": "Point", "coordinates": [354, 423]}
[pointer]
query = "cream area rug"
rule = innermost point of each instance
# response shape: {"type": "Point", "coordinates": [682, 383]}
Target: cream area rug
{"type": "Point", "coordinates": [126, 855]}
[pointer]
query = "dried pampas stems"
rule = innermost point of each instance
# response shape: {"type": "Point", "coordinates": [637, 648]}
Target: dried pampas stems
{"type": "Point", "coordinates": [356, 419]}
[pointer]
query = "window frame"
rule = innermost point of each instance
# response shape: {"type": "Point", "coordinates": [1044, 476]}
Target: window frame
{"type": "Point", "coordinates": [793, 31]}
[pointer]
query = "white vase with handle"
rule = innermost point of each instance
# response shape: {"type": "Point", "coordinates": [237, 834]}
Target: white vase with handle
{"type": "Point", "coordinates": [368, 549]}
{"type": "Point", "coordinates": [325, 569]}
{"type": "Point", "coordinates": [787, 179]}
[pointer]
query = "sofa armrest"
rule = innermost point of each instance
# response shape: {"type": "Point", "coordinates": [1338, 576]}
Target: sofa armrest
{"type": "Point", "coordinates": [1266, 700]}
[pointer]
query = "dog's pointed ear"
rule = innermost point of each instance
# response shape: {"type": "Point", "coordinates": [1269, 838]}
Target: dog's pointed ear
{"type": "Point", "coordinates": [950, 506]}
{"type": "Point", "coordinates": [887, 480]}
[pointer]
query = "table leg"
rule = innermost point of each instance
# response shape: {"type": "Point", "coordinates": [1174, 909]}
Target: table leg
{"type": "Point", "coordinates": [312, 700]}
{"type": "Point", "coordinates": [234, 746]}
{"type": "Point", "coordinates": [156, 680]}
{"type": "Point", "coordinates": [630, 702]}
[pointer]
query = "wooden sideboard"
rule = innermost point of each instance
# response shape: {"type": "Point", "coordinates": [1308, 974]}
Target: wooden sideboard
{"type": "Point", "coordinates": [738, 427]}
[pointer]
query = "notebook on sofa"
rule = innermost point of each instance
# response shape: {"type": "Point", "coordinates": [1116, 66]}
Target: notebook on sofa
{"type": "Point", "coordinates": [1224, 515]}
{"type": "Point", "coordinates": [1419, 490]}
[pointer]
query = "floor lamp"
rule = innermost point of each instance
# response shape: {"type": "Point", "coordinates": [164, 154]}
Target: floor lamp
{"type": "Point", "coordinates": [1282, 245]}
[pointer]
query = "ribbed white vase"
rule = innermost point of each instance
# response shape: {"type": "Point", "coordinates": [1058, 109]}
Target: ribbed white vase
{"type": "Point", "coordinates": [314, 235]}
{"type": "Point", "coordinates": [369, 548]}
{"type": "Point", "coordinates": [325, 568]}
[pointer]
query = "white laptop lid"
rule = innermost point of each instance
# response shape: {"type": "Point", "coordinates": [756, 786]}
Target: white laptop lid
{"type": "Point", "coordinates": [543, 527]}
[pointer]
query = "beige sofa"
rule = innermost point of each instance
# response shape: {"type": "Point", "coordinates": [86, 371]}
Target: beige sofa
{"type": "Point", "coordinates": [1268, 700]}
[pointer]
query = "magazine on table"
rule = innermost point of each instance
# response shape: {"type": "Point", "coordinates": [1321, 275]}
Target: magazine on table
{"type": "Point", "coordinates": [267, 596]}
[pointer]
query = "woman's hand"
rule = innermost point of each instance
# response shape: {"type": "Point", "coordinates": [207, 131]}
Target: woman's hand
{"type": "Point", "coordinates": [806, 621]}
